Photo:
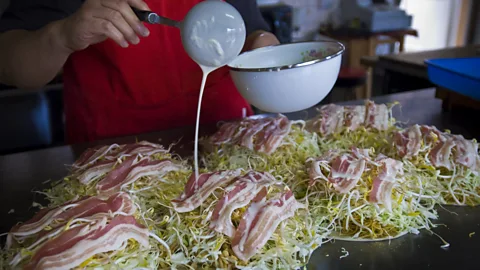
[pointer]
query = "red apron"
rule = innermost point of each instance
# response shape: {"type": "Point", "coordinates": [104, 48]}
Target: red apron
{"type": "Point", "coordinates": [111, 91]}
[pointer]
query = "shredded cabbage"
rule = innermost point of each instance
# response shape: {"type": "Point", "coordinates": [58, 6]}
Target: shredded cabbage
{"type": "Point", "coordinates": [460, 186]}
{"type": "Point", "coordinates": [341, 214]}
{"type": "Point", "coordinates": [191, 244]}
{"type": "Point", "coordinates": [184, 240]}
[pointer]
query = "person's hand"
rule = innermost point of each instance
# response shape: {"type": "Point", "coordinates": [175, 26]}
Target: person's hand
{"type": "Point", "coordinates": [259, 39]}
{"type": "Point", "coordinates": [98, 20]}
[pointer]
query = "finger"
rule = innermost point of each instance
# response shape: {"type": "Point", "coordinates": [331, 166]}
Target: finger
{"type": "Point", "coordinates": [117, 20]}
{"type": "Point", "coordinates": [106, 28]}
{"type": "Point", "coordinates": [124, 8]}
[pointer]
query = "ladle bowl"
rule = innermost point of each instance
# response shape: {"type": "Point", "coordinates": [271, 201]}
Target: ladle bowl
{"type": "Point", "coordinates": [213, 33]}
{"type": "Point", "coordinates": [289, 77]}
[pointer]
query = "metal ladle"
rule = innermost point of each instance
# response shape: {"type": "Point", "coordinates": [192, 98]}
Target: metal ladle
{"type": "Point", "coordinates": [213, 32]}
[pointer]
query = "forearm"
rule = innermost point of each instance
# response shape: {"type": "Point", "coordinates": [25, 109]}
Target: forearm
{"type": "Point", "coordinates": [259, 39]}
{"type": "Point", "coordinates": [32, 59]}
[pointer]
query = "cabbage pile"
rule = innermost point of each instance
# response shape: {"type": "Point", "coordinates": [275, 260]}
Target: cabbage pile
{"type": "Point", "coordinates": [185, 241]}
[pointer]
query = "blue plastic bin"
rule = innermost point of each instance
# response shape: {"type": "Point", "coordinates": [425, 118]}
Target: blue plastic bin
{"type": "Point", "coordinates": [461, 75]}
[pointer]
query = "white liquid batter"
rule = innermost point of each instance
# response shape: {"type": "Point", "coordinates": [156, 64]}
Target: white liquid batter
{"type": "Point", "coordinates": [213, 34]}
{"type": "Point", "coordinates": [213, 50]}
{"type": "Point", "coordinates": [206, 71]}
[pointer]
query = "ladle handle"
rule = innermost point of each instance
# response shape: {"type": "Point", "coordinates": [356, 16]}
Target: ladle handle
{"type": "Point", "coordinates": [154, 18]}
{"type": "Point", "coordinates": [143, 15]}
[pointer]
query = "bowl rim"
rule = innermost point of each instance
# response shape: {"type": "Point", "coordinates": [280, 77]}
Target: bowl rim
{"type": "Point", "coordinates": [298, 65]}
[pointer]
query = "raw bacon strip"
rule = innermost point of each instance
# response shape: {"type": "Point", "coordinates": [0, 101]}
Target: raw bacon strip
{"type": "Point", "coordinates": [329, 121]}
{"type": "Point", "coordinates": [117, 175]}
{"type": "Point", "coordinates": [76, 245]}
{"type": "Point", "coordinates": [439, 156]}
{"type": "Point", "coordinates": [85, 156]}
{"type": "Point", "coordinates": [361, 153]}
{"type": "Point", "coordinates": [354, 117]}
{"type": "Point", "coordinates": [401, 141]}
{"type": "Point", "coordinates": [330, 155]}
{"type": "Point", "coordinates": [143, 148]}
{"type": "Point", "coordinates": [383, 184]}
{"type": "Point", "coordinates": [91, 169]}
{"type": "Point", "coordinates": [197, 190]}
{"type": "Point", "coordinates": [263, 134]}
{"type": "Point", "coordinates": [42, 219]}
{"type": "Point", "coordinates": [260, 222]}
{"type": "Point", "coordinates": [143, 168]}
{"type": "Point", "coordinates": [117, 203]}
{"type": "Point", "coordinates": [225, 133]}
{"type": "Point", "coordinates": [315, 171]}
{"type": "Point", "coordinates": [466, 152]}
{"type": "Point", "coordinates": [94, 172]}
{"type": "Point", "coordinates": [409, 141]}
{"type": "Point", "coordinates": [270, 138]}
{"type": "Point", "coordinates": [377, 116]}
{"type": "Point", "coordinates": [148, 168]}
{"type": "Point", "coordinates": [37, 223]}
{"type": "Point", "coordinates": [345, 172]}
{"type": "Point", "coordinates": [243, 126]}
{"type": "Point", "coordinates": [381, 157]}
{"type": "Point", "coordinates": [333, 117]}
{"type": "Point", "coordinates": [432, 134]}
{"type": "Point", "coordinates": [90, 156]}
{"type": "Point", "coordinates": [238, 195]}
{"type": "Point", "coordinates": [252, 129]}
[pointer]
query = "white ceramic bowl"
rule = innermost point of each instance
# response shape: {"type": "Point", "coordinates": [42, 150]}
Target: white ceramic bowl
{"type": "Point", "coordinates": [288, 77]}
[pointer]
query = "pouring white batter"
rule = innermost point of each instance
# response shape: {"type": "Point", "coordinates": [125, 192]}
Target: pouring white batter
{"type": "Point", "coordinates": [213, 34]}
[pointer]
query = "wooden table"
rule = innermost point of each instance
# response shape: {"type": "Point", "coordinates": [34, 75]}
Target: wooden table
{"type": "Point", "coordinates": [406, 71]}
{"type": "Point", "coordinates": [363, 43]}
{"type": "Point", "coordinates": [21, 173]}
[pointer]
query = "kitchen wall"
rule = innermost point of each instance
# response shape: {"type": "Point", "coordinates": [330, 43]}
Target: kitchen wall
{"type": "Point", "coordinates": [437, 22]}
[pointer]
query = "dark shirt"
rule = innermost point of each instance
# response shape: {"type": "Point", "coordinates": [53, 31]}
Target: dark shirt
{"type": "Point", "coordinates": [34, 14]}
